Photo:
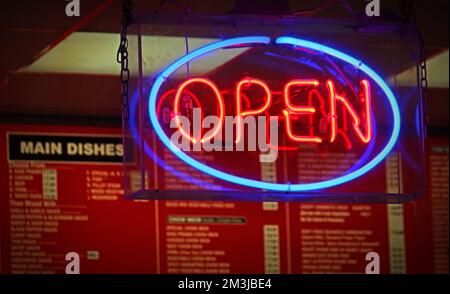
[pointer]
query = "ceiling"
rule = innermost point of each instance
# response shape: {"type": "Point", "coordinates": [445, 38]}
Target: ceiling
{"type": "Point", "coordinates": [47, 68]}
{"type": "Point", "coordinates": [92, 53]}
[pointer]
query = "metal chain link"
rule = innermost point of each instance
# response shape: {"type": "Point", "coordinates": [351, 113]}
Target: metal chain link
{"type": "Point", "coordinates": [408, 13]}
{"type": "Point", "coordinates": [423, 80]}
{"type": "Point", "coordinates": [122, 57]}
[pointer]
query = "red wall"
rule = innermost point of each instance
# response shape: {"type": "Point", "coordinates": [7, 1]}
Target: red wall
{"type": "Point", "coordinates": [112, 235]}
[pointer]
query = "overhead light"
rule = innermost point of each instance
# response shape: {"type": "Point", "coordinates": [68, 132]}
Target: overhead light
{"type": "Point", "coordinates": [95, 53]}
{"type": "Point", "coordinates": [437, 73]}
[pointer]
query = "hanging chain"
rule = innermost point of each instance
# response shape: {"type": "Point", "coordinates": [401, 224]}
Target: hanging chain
{"type": "Point", "coordinates": [423, 80]}
{"type": "Point", "coordinates": [409, 15]}
{"type": "Point", "coordinates": [122, 57]}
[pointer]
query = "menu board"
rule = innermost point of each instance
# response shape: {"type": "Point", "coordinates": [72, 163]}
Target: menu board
{"type": "Point", "coordinates": [61, 191]}
{"type": "Point", "coordinates": [438, 191]}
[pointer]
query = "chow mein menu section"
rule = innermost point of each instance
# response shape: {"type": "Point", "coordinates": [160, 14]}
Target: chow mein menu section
{"type": "Point", "coordinates": [62, 191]}
{"type": "Point", "coordinates": [221, 237]}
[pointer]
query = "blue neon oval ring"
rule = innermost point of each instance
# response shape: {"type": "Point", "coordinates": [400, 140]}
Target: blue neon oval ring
{"type": "Point", "coordinates": [259, 184]}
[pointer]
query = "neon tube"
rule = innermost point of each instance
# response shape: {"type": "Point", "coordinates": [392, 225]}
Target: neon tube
{"type": "Point", "coordinates": [252, 112]}
{"type": "Point", "coordinates": [356, 121]}
{"type": "Point", "coordinates": [304, 139]}
{"type": "Point", "coordinates": [176, 105]}
{"type": "Point", "coordinates": [265, 185]}
{"type": "Point", "coordinates": [287, 100]}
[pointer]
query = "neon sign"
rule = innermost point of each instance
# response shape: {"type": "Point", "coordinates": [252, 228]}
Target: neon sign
{"type": "Point", "coordinates": [361, 121]}
{"type": "Point", "coordinates": [290, 109]}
